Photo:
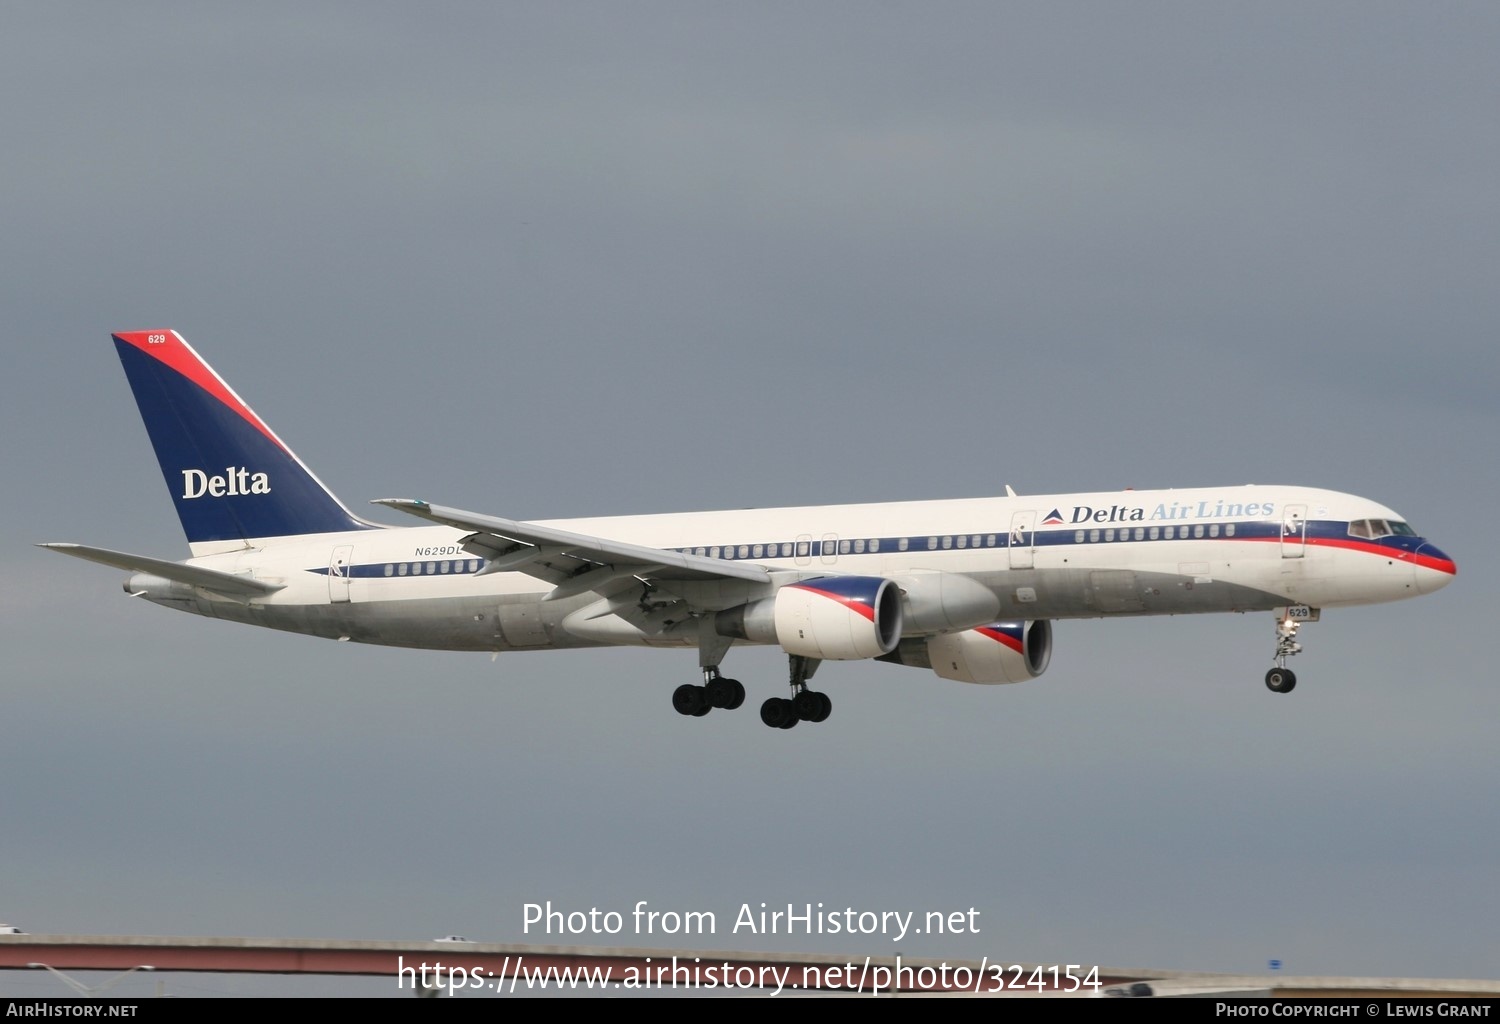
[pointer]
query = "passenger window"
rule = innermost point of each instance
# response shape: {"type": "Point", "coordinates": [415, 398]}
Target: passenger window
{"type": "Point", "coordinates": [1077, 537]}
{"type": "Point", "coordinates": [803, 549]}
{"type": "Point", "coordinates": [756, 553]}
{"type": "Point", "coordinates": [1093, 536]}
{"type": "Point", "coordinates": [947, 543]}
{"type": "Point", "coordinates": [859, 547]}
{"type": "Point", "coordinates": [390, 569]}
{"type": "Point", "coordinates": [963, 542]}
{"type": "Point", "coordinates": [1140, 533]}
{"type": "Point", "coordinates": [874, 545]}
{"type": "Point", "coordinates": [1109, 534]}
{"type": "Point", "coordinates": [1198, 531]}
{"type": "Point", "coordinates": [1229, 529]}
{"type": "Point", "coordinates": [931, 543]}
{"type": "Point", "coordinates": [401, 569]}
{"type": "Point", "coordinates": [446, 565]}
{"type": "Point", "coordinates": [990, 540]}
{"type": "Point", "coordinates": [1213, 529]}
{"type": "Point", "coordinates": [1171, 532]}
{"type": "Point", "coordinates": [843, 547]}
{"type": "Point", "coordinates": [1155, 532]}
{"type": "Point", "coordinates": [744, 550]}
{"type": "Point", "coordinates": [713, 552]}
{"type": "Point", "coordinates": [902, 544]}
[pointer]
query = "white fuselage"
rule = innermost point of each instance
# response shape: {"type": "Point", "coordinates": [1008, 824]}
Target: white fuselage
{"type": "Point", "coordinates": [1045, 557]}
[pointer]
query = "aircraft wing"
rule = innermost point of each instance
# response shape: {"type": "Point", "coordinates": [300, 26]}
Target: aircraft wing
{"type": "Point", "coordinates": [576, 563]}
{"type": "Point", "coordinates": [228, 584]}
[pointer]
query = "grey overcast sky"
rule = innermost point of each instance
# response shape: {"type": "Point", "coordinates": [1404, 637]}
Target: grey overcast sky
{"type": "Point", "coordinates": [562, 259]}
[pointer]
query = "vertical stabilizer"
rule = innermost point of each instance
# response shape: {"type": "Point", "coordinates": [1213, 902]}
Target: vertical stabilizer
{"type": "Point", "coordinates": [230, 476]}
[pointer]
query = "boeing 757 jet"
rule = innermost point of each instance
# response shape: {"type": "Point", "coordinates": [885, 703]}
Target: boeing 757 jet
{"type": "Point", "coordinates": [965, 588]}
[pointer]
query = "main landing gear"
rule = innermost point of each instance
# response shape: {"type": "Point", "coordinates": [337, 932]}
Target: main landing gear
{"type": "Point", "coordinates": [804, 705]}
{"type": "Point", "coordinates": [1282, 679]}
{"type": "Point", "coordinates": [779, 712]}
{"type": "Point", "coordinates": [716, 692]}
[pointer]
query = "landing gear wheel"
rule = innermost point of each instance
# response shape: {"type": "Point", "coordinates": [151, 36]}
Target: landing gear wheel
{"type": "Point", "coordinates": [739, 695]}
{"type": "Point", "coordinates": [725, 693]}
{"type": "Point", "coordinates": [807, 705]}
{"type": "Point", "coordinates": [825, 708]}
{"type": "Point", "coordinates": [777, 712]}
{"type": "Point", "coordinates": [1281, 680]}
{"type": "Point", "coordinates": [691, 700]}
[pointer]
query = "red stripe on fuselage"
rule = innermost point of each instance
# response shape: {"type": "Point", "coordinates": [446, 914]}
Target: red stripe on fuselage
{"type": "Point", "coordinates": [171, 351]}
{"type": "Point", "coordinates": [1368, 547]}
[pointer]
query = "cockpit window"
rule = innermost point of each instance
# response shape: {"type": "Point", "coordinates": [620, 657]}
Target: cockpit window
{"type": "Point", "coordinates": [1374, 529]}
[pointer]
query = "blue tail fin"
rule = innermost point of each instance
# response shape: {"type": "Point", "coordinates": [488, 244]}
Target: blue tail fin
{"type": "Point", "coordinates": [230, 476]}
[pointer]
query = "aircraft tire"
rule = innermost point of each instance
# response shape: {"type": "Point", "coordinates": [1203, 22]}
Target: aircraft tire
{"type": "Point", "coordinates": [807, 705]}
{"type": "Point", "coordinates": [1281, 680]}
{"type": "Point", "coordinates": [690, 700]}
{"type": "Point", "coordinates": [776, 712]}
{"type": "Point", "coordinates": [725, 693]}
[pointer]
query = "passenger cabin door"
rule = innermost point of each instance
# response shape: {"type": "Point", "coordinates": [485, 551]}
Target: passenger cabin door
{"type": "Point", "coordinates": [1293, 531]}
{"type": "Point", "coordinates": [338, 573]}
{"type": "Point", "coordinates": [1023, 540]}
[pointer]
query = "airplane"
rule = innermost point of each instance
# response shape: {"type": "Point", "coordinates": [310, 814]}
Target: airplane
{"type": "Point", "coordinates": [966, 588]}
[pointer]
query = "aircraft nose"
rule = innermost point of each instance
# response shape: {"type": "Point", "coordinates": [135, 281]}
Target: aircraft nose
{"type": "Point", "coordinates": [1434, 569]}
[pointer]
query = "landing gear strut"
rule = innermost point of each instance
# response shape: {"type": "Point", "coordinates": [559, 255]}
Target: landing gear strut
{"type": "Point", "coordinates": [716, 691]}
{"type": "Point", "coordinates": [804, 705]}
{"type": "Point", "coordinates": [1281, 679]}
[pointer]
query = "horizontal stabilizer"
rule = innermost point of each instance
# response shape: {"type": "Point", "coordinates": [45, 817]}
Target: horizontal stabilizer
{"type": "Point", "coordinates": [224, 583]}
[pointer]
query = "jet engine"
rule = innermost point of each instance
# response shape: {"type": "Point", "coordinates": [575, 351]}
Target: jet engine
{"type": "Point", "coordinates": [835, 618]}
{"type": "Point", "coordinates": [1001, 652]}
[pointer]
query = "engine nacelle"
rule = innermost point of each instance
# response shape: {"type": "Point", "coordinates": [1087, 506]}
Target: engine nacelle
{"type": "Point", "coordinates": [835, 618]}
{"type": "Point", "coordinates": [1002, 652]}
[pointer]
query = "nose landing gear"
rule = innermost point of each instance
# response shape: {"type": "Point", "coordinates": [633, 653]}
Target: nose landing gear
{"type": "Point", "coordinates": [1282, 679]}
